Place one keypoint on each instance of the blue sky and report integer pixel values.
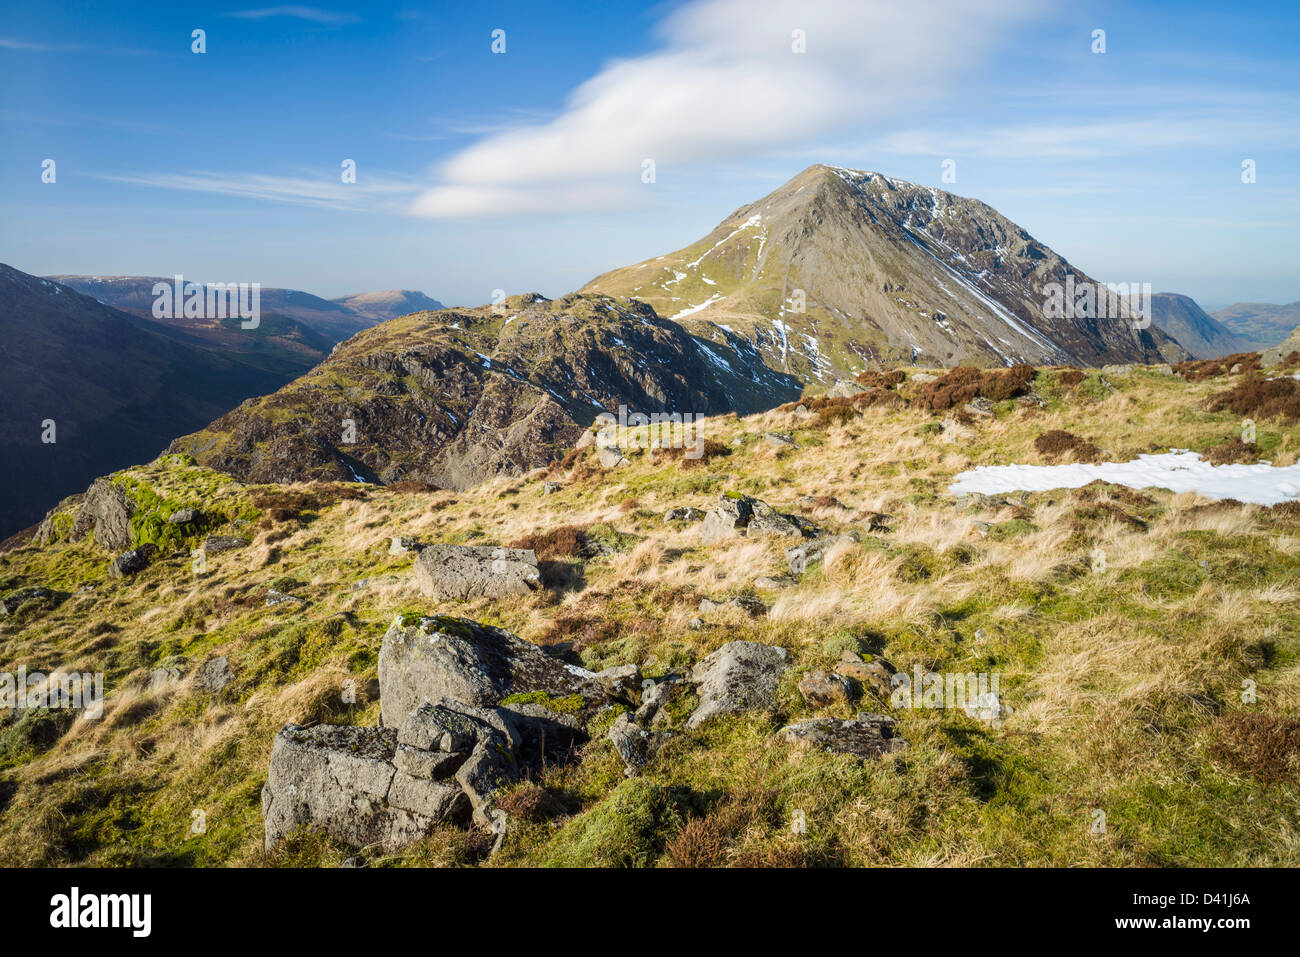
(522, 171)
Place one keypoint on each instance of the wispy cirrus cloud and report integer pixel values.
(727, 82)
(311, 189)
(311, 14)
(9, 43)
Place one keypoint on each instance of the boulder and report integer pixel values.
(876, 674)
(1274, 355)
(132, 562)
(621, 681)
(800, 557)
(215, 544)
(746, 603)
(729, 517)
(404, 545)
(635, 745)
(543, 733)
(822, 689)
(843, 389)
(213, 675)
(341, 780)
(105, 510)
(432, 765)
(424, 659)
(780, 440)
(550, 488)
(183, 516)
(739, 676)
(867, 735)
(767, 521)
(275, 598)
(487, 770)
(775, 582)
(684, 514)
(611, 457)
(471, 571)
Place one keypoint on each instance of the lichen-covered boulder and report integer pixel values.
(739, 676)
(424, 659)
(471, 571)
(341, 779)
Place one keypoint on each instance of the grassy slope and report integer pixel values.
(1126, 683)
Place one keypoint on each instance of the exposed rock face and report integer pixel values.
(472, 571)
(223, 543)
(739, 676)
(800, 557)
(868, 735)
(635, 745)
(425, 659)
(106, 510)
(728, 518)
(875, 674)
(455, 397)
(342, 780)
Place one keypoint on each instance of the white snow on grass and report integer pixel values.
(1178, 471)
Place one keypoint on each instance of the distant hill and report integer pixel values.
(117, 387)
(1263, 323)
(841, 270)
(389, 304)
(1180, 317)
(332, 321)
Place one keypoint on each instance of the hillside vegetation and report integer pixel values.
(1124, 675)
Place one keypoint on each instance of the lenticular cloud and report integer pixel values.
(1181, 471)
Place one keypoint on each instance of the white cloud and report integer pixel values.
(367, 192)
(725, 84)
(313, 14)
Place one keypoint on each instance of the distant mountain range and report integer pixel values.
(87, 353)
(389, 304)
(1198, 333)
(1263, 324)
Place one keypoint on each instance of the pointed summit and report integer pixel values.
(838, 270)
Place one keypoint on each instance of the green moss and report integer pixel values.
(570, 704)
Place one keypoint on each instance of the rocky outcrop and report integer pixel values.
(214, 674)
(424, 659)
(448, 742)
(822, 689)
(471, 571)
(1275, 354)
(105, 511)
(737, 514)
(739, 676)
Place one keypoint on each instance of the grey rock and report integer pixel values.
(431, 765)
(801, 413)
(922, 377)
(684, 514)
(337, 779)
(746, 603)
(471, 571)
(543, 733)
(427, 798)
(876, 674)
(822, 689)
(739, 676)
(404, 545)
(867, 735)
(483, 775)
(16, 598)
(275, 598)
(1274, 355)
(780, 440)
(223, 543)
(550, 488)
(164, 675)
(799, 557)
(621, 681)
(767, 521)
(611, 457)
(635, 745)
(776, 582)
(105, 510)
(132, 562)
(213, 675)
(183, 516)
(843, 389)
(427, 659)
(728, 518)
